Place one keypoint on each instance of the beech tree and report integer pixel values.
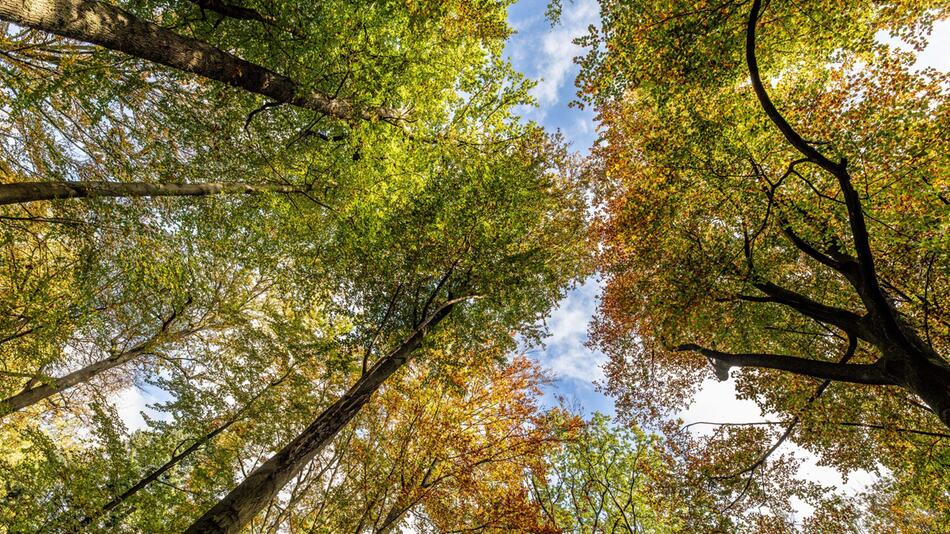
(444, 448)
(770, 182)
(508, 218)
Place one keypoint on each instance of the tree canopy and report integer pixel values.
(772, 178)
(319, 234)
(383, 204)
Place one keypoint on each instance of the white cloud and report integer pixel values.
(717, 402)
(130, 403)
(583, 365)
(133, 400)
(565, 354)
(547, 53)
(568, 323)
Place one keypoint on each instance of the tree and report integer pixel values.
(448, 445)
(600, 482)
(506, 197)
(787, 226)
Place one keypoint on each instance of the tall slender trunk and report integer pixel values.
(23, 192)
(111, 27)
(153, 476)
(394, 515)
(236, 509)
(173, 461)
(31, 396)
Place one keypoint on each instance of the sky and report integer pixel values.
(545, 53)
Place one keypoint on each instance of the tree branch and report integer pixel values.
(790, 134)
(838, 372)
(847, 321)
(900, 430)
(870, 289)
(849, 353)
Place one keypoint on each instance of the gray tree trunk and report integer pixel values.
(111, 27)
(236, 509)
(23, 192)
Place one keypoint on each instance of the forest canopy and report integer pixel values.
(322, 236)
(773, 193)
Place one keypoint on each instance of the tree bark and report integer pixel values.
(236, 509)
(23, 192)
(151, 477)
(233, 11)
(111, 27)
(924, 374)
(32, 395)
(35, 394)
(395, 514)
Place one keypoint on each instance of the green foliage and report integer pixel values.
(257, 311)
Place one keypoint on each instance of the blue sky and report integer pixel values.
(546, 53)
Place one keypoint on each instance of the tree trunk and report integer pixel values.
(23, 192)
(108, 26)
(395, 514)
(236, 509)
(926, 376)
(31, 396)
(151, 477)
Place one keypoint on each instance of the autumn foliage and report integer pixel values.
(728, 229)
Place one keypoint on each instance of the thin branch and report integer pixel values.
(839, 423)
(849, 353)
